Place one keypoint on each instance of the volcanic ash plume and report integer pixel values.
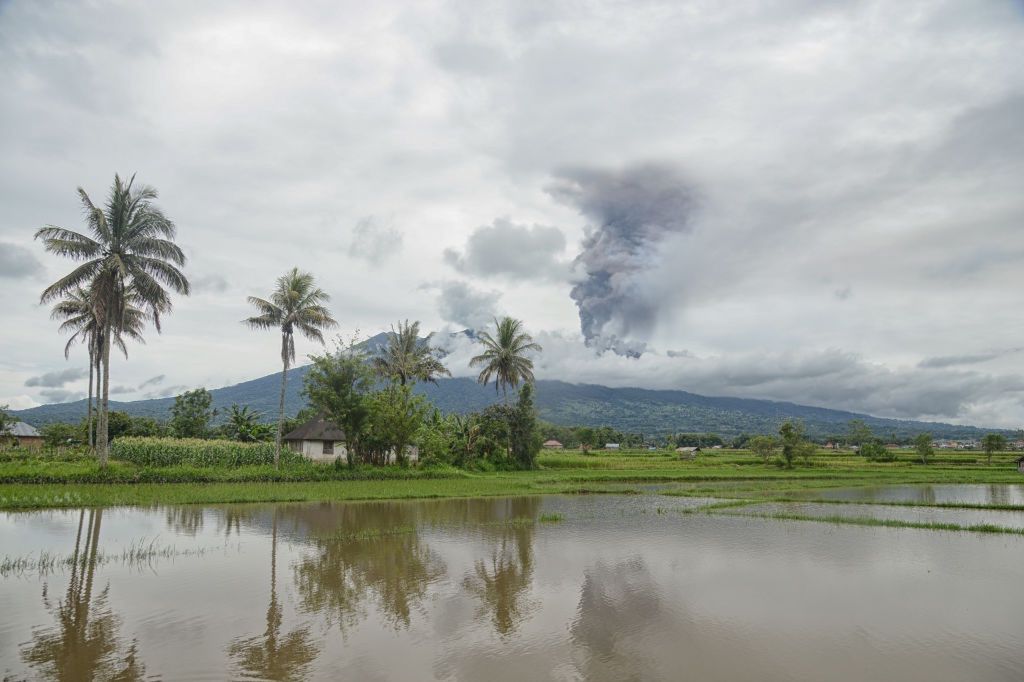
(632, 212)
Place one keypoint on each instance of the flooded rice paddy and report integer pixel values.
(598, 587)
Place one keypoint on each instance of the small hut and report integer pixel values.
(1020, 465)
(317, 439)
(688, 452)
(25, 435)
(553, 445)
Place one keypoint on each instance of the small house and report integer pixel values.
(611, 446)
(1020, 465)
(552, 445)
(688, 452)
(318, 439)
(25, 435)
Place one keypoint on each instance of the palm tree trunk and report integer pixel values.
(280, 412)
(92, 369)
(102, 442)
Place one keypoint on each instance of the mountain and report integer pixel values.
(627, 409)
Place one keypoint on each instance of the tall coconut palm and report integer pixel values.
(296, 303)
(504, 356)
(407, 359)
(79, 316)
(130, 248)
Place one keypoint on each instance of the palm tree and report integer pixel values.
(406, 358)
(504, 356)
(79, 314)
(129, 259)
(296, 303)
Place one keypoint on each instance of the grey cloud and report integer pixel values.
(843, 293)
(943, 361)
(121, 390)
(505, 248)
(469, 58)
(60, 395)
(461, 304)
(58, 378)
(631, 212)
(17, 262)
(165, 392)
(374, 240)
(211, 283)
(152, 381)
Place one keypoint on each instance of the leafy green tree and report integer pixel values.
(763, 446)
(6, 422)
(60, 434)
(191, 414)
(130, 259)
(505, 355)
(923, 447)
(396, 414)
(407, 359)
(295, 304)
(991, 443)
(874, 451)
(858, 432)
(586, 437)
(244, 425)
(794, 444)
(524, 438)
(338, 385)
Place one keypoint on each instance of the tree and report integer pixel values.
(408, 359)
(923, 447)
(6, 422)
(525, 441)
(504, 357)
(338, 385)
(80, 316)
(763, 446)
(875, 451)
(858, 432)
(794, 444)
(244, 425)
(396, 414)
(993, 442)
(191, 414)
(130, 258)
(296, 303)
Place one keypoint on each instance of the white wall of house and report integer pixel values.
(314, 450)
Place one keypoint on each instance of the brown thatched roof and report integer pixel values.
(317, 428)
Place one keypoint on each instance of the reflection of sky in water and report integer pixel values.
(924, 494)
(623, 587)
(961, 517)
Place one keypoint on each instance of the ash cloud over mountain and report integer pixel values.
(633, 211)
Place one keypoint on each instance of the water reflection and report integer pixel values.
(84, 644)
(269, 656)
(501, 580)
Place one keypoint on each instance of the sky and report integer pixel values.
(793, 200)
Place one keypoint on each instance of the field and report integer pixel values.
(50, 480)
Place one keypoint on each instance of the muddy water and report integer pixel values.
(618, 588)
(1010, 494)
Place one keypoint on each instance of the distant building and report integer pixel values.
(553, 444)
(322, 440)
(688, 452)
(611, 446)
(1020, 465)
(25, 435)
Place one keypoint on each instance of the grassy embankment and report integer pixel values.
(51, 481)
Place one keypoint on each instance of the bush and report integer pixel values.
(873, 451)
(162, 452)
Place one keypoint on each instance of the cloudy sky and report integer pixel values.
(790, 199)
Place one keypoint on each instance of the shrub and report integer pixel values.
(162, 452)
(873, 451)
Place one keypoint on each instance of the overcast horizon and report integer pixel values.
(812, 202)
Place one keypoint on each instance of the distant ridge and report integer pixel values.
(629, 409)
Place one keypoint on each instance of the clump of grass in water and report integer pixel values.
(136, 554)
(551, 518)
(887, 523)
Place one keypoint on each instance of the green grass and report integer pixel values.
(39, 482)
(551, 518)
(887, 523)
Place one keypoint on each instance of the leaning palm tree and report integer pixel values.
(296, 303)
(407, 358)
(504, 356)
(130, 248)
(79, 316)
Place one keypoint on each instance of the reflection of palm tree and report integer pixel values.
(271, 656)
(84, 644)
(375, 552)
(502, 581)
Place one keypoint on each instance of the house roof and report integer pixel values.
(552, 442)
(690, 448)
(23, 430)
(317, 428)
